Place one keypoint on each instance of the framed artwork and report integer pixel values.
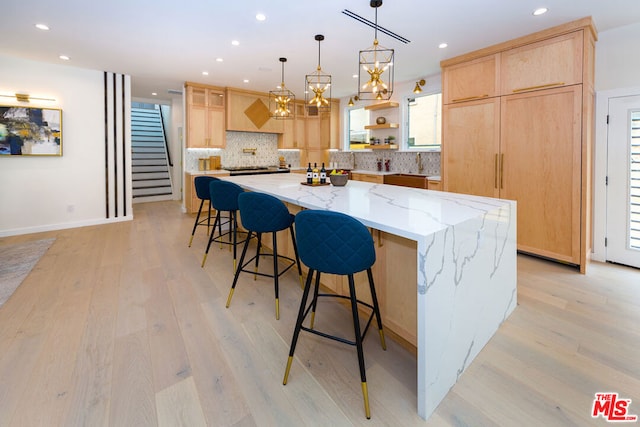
(30, 131)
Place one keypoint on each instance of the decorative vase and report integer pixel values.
(381, 120)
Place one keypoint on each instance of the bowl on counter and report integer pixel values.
(339, 180)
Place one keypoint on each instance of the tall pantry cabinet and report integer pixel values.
(518, 124)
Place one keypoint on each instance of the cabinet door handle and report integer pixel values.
(470, 98)
(502, 171)
(495, 175)
(522, 89)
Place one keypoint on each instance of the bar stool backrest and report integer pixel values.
(202, 186)
(263, 213)
(332, 242)
(224, 195)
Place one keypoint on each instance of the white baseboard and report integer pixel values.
(63, 226)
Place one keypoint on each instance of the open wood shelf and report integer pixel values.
(382, 105)
(382, 146)
(383, 126)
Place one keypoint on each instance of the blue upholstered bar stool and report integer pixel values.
(335, 243)
(262, 213)
(224, 198)
(202, 192)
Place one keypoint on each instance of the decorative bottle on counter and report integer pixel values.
(309, 174)
(316, 174)
(323, 175)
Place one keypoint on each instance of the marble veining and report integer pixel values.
(466, 264)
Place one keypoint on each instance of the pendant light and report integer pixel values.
(282, 100)
(318, 86)
(375, 65)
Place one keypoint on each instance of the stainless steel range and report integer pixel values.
(254, 170)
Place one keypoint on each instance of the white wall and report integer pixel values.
(617, 74)
(45, 193)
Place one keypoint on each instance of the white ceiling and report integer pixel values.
(162, 43)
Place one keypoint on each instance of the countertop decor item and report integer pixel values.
(381, 120)
(339, 180)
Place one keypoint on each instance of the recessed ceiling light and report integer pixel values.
(442, 45)
(540, 11)
(219, 59)
(260, 17)
(235, 42)
(246, 80)
(154, 94)
(205, 73)
(43, 27)
(64, 57)
(355, 76)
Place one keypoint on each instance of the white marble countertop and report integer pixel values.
(408, 212)
(465, 257)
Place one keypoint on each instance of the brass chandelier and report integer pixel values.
(375, 65)
(318, 86)
(282, 100)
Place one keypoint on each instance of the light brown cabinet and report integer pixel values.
(541, 168)
(367, 177)
(434, 184)
(531, 140)
(205, 116)
(471, 80)
(472, 154)
(248, 111)
(549, 63)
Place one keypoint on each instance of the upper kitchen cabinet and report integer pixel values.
(248, 111)
(546, 64)
(530, 142)
(471, 80)
(205, 116)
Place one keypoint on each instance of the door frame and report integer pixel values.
(599, 251)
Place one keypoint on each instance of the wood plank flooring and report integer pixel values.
(118, 325)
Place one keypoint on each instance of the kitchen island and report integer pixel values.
(465, 264)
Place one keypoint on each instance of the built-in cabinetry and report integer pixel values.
(368, 177)
(205, 108)
(312, 132)
(248, 111)
(518, 124)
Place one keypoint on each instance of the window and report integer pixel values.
(358, 135)
(424, 121)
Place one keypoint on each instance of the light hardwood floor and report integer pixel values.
(118, 325)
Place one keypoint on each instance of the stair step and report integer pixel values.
(151, 191)
(155, 183)
(150, 175)
(136, 169)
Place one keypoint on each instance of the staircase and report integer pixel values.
(150, 165)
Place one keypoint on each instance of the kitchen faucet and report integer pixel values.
(419, 162)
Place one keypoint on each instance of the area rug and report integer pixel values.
(16, 261)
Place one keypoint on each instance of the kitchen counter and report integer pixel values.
(465, 283)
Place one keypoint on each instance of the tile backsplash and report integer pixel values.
(265, 145)
(401, 162)
(241, 145)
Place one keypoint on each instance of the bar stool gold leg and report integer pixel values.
(313, 318)
(229, 297)
(191, 240)
(365, 394)
(384, 344)
(277, 308)
(286, 372)
(204, 259)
